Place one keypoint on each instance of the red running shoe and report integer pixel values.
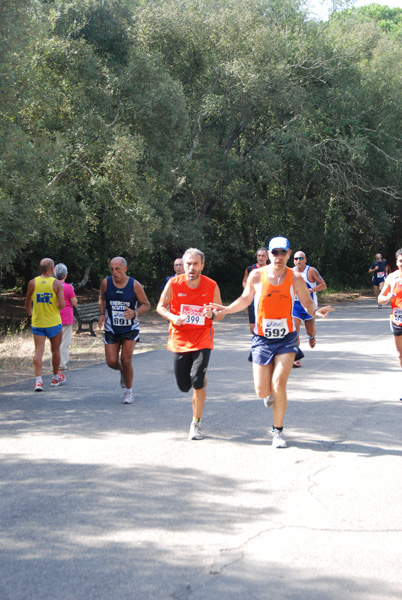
(59, 379)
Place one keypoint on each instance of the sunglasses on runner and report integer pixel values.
(279, 252)
(299, 257)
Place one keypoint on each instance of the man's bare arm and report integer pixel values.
(306, 300)
(142, 299)
(321, 285)
(28, 297)
(102, 304)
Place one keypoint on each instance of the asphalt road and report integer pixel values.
(101, 500)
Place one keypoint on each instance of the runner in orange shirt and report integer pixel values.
(274, 345)
(184, 304)
(392, 292)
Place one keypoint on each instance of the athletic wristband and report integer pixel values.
(213, 316)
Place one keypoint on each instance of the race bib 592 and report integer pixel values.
(275, 329)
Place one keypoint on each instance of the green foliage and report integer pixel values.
(142, 128)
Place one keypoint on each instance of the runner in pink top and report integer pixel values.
(67, 315)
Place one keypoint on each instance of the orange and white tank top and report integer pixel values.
(396, 302)
(196, 333)
(274, 306)
(45, 308)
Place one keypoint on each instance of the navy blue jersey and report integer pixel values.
(117, 300)
(379, 275)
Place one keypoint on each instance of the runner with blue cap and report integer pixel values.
(274, 344)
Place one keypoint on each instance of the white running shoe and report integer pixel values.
(128, 398)
(268, 401)
(195, 431)
(278, 441)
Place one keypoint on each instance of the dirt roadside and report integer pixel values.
(16, 349)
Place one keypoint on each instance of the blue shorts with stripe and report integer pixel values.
(263, 350)
(300, 313)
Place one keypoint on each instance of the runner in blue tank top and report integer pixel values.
(118, 304)
(315, 283)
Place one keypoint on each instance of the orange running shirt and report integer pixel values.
(197, 332)
(274, 306)
(396, 302)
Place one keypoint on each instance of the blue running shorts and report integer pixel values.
(117, 338)
(263, 350)
(49, 332)
(300, 313)
(396, 329)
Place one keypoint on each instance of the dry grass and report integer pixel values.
(16, 350)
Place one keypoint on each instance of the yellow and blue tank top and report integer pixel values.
(45, 309)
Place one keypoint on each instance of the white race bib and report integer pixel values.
(192, 314)
(118, 320)
(397, 314)
(275, 329)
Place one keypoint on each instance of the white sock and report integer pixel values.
(38, 379)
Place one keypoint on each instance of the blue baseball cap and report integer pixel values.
(279, 242)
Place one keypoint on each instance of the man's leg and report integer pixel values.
(182, 364)
(198, 399)
(310, 330)
(282, 367)
(112, 356)
(297, 325)
(39, 341)
(376, 290)
(198, 371)
(262, 375)
(271, 380)
(297, 321)
(55, 349)
(127, 351)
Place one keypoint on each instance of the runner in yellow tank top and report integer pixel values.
(274, 344)
(45, 309)
(44, 301)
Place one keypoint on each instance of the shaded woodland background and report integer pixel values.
(140, 128)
